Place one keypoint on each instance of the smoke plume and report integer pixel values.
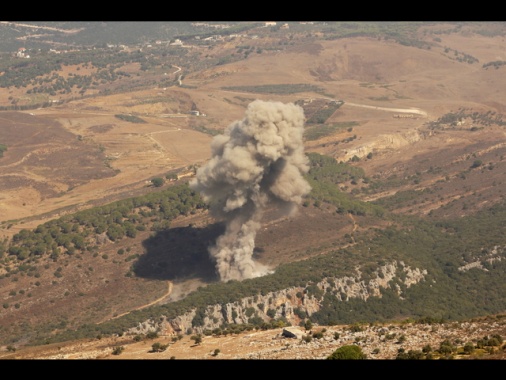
(257, 162)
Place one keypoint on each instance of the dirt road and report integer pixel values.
(159, 299)
(400, 110)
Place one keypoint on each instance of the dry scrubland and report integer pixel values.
(41, 177)
(377, 342)
(77, 155)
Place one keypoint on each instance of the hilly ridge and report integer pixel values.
(443, 167)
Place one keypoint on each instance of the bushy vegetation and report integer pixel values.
(315, 132)
(209, 131)
(494, 64)
(324, 176)
(276, 88)
(439, 247)
(446, 293)
(348, 352)
(123, 219)
(321, 116)
(118, 220)
(460, 56)
(98, 65)
(130, 118)
(454, 120)
(41, 70)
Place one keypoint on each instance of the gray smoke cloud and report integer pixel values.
(256, 163)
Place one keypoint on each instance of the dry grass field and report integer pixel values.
(79, 154)
(115, 156)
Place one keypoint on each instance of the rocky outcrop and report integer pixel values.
(486, 258)
(290, 303)
(292, 332)
(385, 143)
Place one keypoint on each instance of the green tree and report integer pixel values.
(157, 181)
(347, 353)
(476, 163)
(446, 347)
(3, 148)
(197, 339)
(115, 232)
(469, 348)
(158, 347)
(411, 355)
(118, 350)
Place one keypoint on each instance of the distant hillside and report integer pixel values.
(45, 34)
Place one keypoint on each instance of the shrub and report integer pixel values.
(118, 350)
(347, 352)
(476, 163)
(158, 347)
(157, 181)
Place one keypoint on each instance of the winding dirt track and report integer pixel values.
(159, 299)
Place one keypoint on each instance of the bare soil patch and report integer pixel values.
(74, 154)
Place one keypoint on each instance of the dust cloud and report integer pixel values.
(258, 162)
